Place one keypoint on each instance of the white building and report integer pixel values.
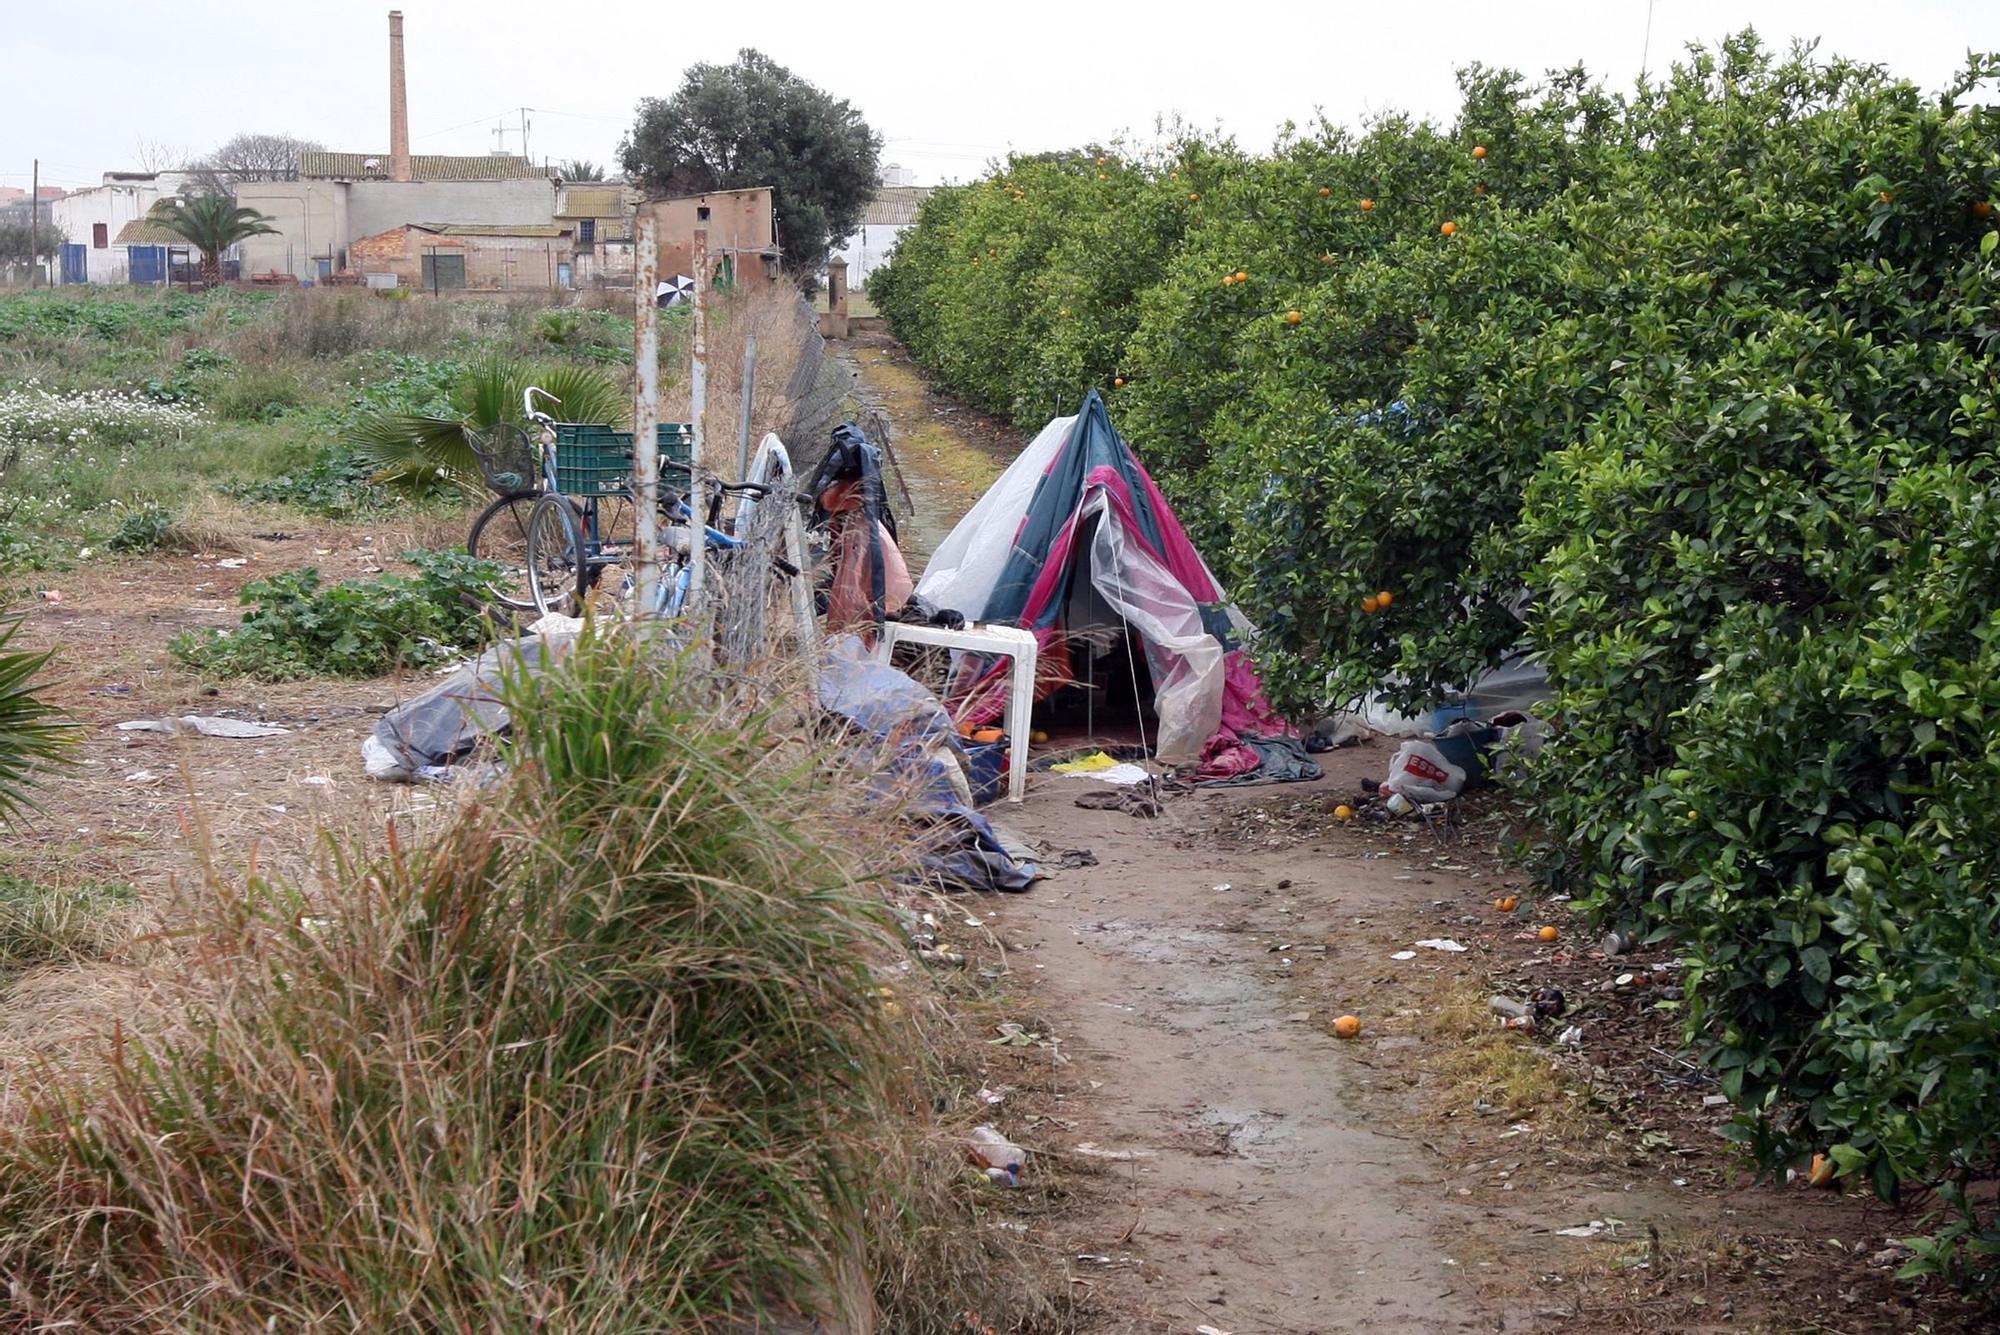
(893, 208)
(92, 220)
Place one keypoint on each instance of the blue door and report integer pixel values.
(75, 264)
(149, 263)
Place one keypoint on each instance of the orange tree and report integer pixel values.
(1694, 390)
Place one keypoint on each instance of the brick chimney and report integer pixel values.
(399, 108)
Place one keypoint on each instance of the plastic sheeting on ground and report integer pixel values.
(424, 737)
(917, 762)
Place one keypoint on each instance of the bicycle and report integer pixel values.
(576, 528)
(518, 469)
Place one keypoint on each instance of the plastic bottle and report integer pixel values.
(999, 1156)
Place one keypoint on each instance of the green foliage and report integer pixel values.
(1698, 396)
(211, 223)
(34, 735)
(336, 484)
(362, 628)
(141, 531)
(17, 238)
(755, 123)
(429, 448)
(597, 336)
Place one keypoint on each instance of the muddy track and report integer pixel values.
(1253, 1186)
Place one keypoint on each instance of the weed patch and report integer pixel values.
(361, 628)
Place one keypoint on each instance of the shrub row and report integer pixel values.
(1693, 389)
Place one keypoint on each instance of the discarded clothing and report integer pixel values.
(1278, 760)
(1131, 801)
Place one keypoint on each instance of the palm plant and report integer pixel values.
(580, 169)
(211, 224)
(412, 448)
(33, 735)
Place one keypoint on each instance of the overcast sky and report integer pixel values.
(948, 85)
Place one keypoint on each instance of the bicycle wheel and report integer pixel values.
(555, 554)
(501, 534)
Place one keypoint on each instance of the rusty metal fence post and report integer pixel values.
(646, 414)
(698, 409)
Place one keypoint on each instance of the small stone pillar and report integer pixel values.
(833, 320)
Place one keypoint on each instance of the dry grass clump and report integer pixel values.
(1477, 1060)
(47, 923)
(606, 1055)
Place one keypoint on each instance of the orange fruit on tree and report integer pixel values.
(1478, 189)
(1293, 317)
(1326, 258)
(1119, 381)
(1193, 197)
(1479, 150)
(1548, 934)
(1100, 162)
(1347, 1026)
(1370, 604)
(1242, 276)
(1982, 208)
(1449, 229)
(1888, 196)
(1325, 191)
(1821, 1173)
(1367, 206)
(1384, 598)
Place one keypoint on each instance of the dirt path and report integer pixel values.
(1253, 1188)
(1214, 1158)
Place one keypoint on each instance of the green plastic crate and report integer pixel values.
(595, 460)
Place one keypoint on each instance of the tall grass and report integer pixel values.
(604, 1056)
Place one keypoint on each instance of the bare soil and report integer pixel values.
(1212, 1157)
(1204, 1152)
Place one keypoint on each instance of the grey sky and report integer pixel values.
(949, 85)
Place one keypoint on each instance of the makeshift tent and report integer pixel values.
(1074, 539)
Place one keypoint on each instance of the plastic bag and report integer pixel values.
(1423, 773)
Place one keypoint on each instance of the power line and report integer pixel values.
(1646, 48)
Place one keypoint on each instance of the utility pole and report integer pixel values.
(34, 218)
(524, 135)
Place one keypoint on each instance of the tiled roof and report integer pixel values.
(423, 167)
(492, 229)
(592, 201)
(895, 205)
(146, 232)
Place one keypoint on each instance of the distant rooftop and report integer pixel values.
(146, 232)
(895, 205)
(491, 229)
(423, 167)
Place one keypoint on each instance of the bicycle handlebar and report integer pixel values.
(528, 403)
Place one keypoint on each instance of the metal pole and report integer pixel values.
(698, 406)
(646, 414)
(749, 400)
(34, 217)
